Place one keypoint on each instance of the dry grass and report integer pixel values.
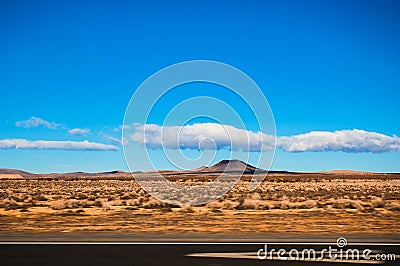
(293, 203)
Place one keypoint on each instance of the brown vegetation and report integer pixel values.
(284, 203)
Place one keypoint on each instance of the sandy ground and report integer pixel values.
(282, 206)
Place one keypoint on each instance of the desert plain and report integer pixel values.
(113, 205)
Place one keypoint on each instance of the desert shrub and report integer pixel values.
(40, 197)
(106, 204)
(301, 199)
(187, 210)
(153, 203)
(134, 202)
(283, 205)
(58, 205)
(18, 198)
(116, 202)
(354, 204)
(393, 206)
(256, 196)
(69, 204)
(275, 196)
(377, 202)
(337, 203)
(10, 205)
(357, 204)
(130, 208)
(97, 203)
(81, 196)
(307, 204)
(166, 208)
(73, 203)
(24, 209)
(126, 196)
(215, 210)
(92, 197)
(347, 203)
(215, 205)
(3, 195)
(250, 204)
(229, 205)
(86, 204)
(57, 197)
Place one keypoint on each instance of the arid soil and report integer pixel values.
(290, 204)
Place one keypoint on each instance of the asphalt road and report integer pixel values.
(157, 254)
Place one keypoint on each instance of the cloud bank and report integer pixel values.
(55, 145)
(216, 136)
(342, 140)
(201, 136)
(78, 131)
(35, 122)
(113, 140)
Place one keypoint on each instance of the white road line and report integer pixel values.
(186, 243)
(253, 255)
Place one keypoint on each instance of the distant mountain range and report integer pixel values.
(224, 166)
(15, 174)
(230, 166)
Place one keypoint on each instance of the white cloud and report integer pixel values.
(113, 140)
(215, 136)
(121, 127)
(344, 140)
(55, 145)
(78, 131)
(201, 136)
(35, 122)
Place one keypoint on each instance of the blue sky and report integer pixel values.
(322, 65)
